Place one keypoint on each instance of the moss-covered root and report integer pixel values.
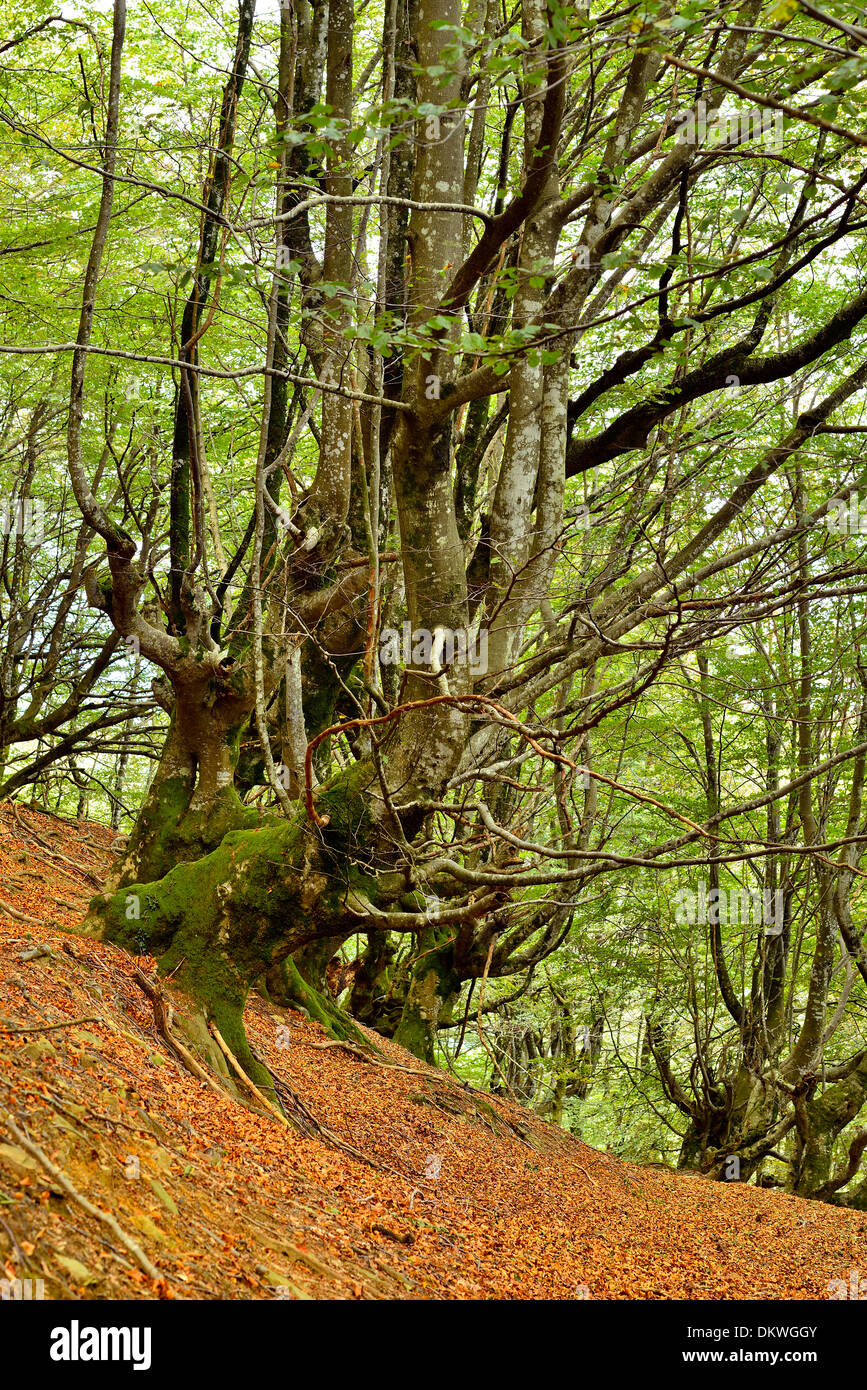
(230, 1021)
(221, 923)
(194, 1027)
(218, 925)
(287, 986)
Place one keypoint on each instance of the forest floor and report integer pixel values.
(405, 1183)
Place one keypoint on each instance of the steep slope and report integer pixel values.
(392, 1181)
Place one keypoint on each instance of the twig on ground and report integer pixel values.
(48, 1027)
(132, 1247)
(18, 916)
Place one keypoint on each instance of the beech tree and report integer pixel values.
(479, 371)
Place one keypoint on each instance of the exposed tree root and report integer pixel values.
(244, 1078)
(287, 986)
(163, 1021)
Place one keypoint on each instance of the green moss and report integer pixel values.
(220, 923)
(433, 988)
(415, 1034)
(292, 988)
(168, 832)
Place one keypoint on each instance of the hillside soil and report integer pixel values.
(387, 1179)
